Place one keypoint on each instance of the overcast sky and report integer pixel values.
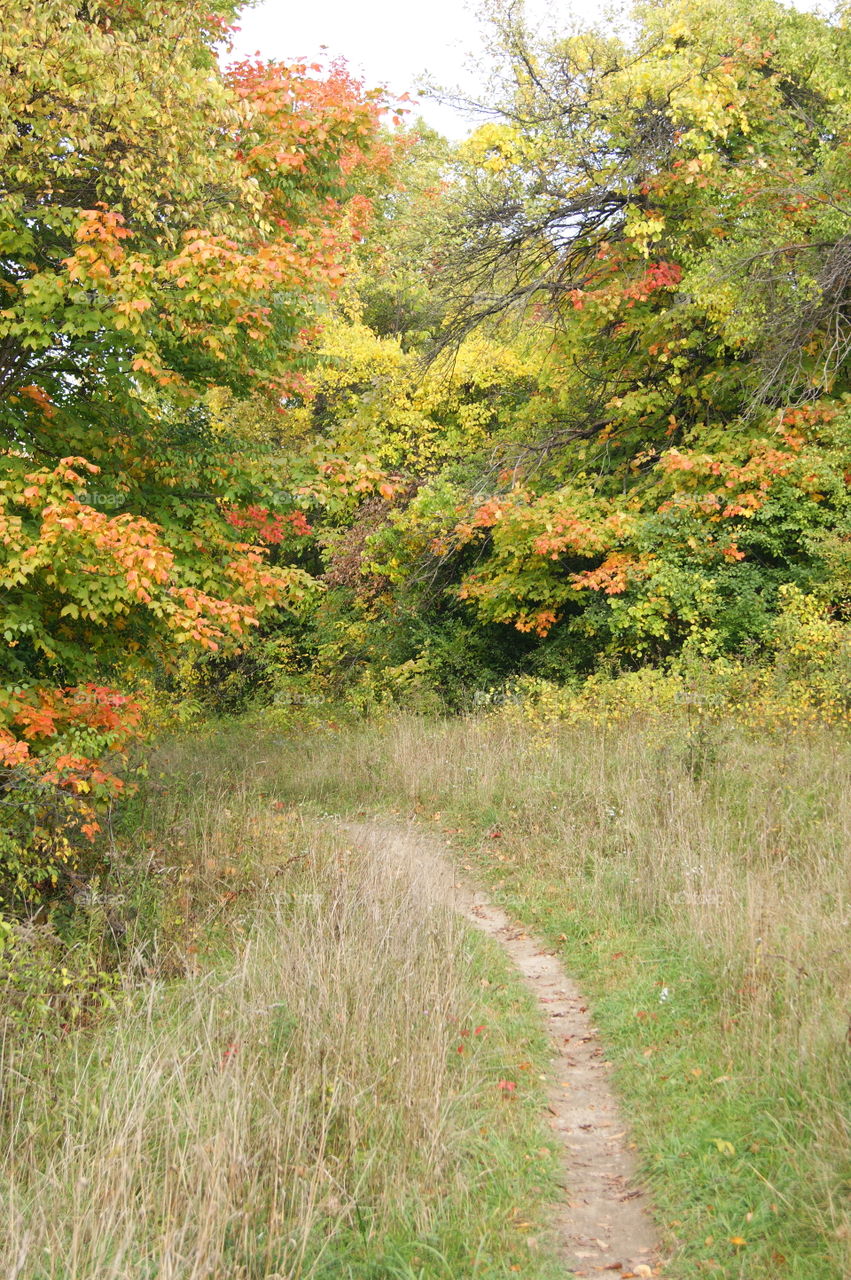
(389, 41)
(396, 42)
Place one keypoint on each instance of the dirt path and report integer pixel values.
(602, 1226)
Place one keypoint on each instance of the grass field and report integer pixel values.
(278, 1089)
(292, 1083)
(698, 885)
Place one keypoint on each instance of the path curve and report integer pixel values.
(603, 1225)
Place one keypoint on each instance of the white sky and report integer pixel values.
(392, 42)
(397, 42)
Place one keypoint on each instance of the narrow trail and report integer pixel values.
(603, 1225)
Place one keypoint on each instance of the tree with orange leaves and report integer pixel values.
(165, 228)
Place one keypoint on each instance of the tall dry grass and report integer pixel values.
(719, 863)
(297, 1109)
(281, 1094)
(740, 844)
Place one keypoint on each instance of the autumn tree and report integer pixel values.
(640, 252)
(165, 228)
(666, 213)
(712, 136)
